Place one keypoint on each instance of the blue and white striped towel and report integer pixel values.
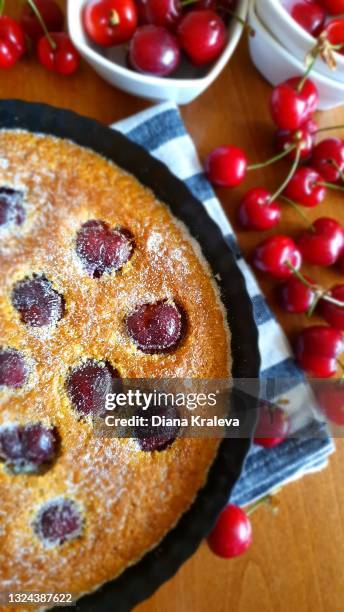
(161, 131)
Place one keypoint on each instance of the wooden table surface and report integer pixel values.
(297, 559)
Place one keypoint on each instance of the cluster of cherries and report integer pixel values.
(292, 106)
(40, 28)
(315, 168)
(316, 16)
(159, 31)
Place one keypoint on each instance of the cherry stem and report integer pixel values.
(37, 13)
(290, 174)
(307, 73)
(319, 292)
(268, 500)
(299, 211)
(330, 186)
(114, 18)
(2, 6)
(328, 128)
(272, 160)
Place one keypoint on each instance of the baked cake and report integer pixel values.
(98, 282)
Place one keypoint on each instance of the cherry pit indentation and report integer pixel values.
(156, 328)
(57, 522)
(11, 206)
(13, 368)
(88, 385)
(37, 302)
(102, 249)
(28, 449)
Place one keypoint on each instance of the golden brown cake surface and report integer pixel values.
(127, 498)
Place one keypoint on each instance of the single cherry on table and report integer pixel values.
(273, 425)
(295, 296)
(318, 349)
(257, 211)
(333, 313)
(328, 159)
(293, 102)
(323, 243)
(232, 534)
(12, 42)
(277, 256)
(306, 187)
(57, 53)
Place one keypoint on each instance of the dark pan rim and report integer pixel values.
(142, 579)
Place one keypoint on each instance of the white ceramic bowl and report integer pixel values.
(293, 37)
(276, 64)
(188, 83)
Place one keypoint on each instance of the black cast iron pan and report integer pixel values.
(140, 581)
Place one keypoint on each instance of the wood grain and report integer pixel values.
(297, 559)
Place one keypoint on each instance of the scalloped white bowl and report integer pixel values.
(188, 83)
(276, 64)
(293, 37)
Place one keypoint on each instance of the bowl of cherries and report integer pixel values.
(308, 26)
(157, 49)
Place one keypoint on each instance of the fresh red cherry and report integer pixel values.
(102, 249)
(232, 534)
(154, 50)
(202, 35)
(226, 166)
(291, 108)
(310, 16)
(12, 42)
(330, 397)
(334, 7)
(11, 206)
(62, 58)
(110, 22)
(156, 328)
(51, 14)
(273, 425)
(13, 369)
(37, 302)
(28, 448)
(335, 34)
(306, 187)
(317, 350)
(57, 522)
(304, 136)
(294, 296)
(333, 314)
(272, 256)
(88, 385)
(323, 244)
(257, 212)
(163, 12)
(328, 159)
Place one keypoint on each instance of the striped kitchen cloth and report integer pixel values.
(161, 131)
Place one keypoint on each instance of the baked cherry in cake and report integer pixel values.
(158, 437)
(11, 207)
(102, 249)
(28, 448)
(13, 368)
(88, 385)
(58, 522)
(37, 302)
(156, 328)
